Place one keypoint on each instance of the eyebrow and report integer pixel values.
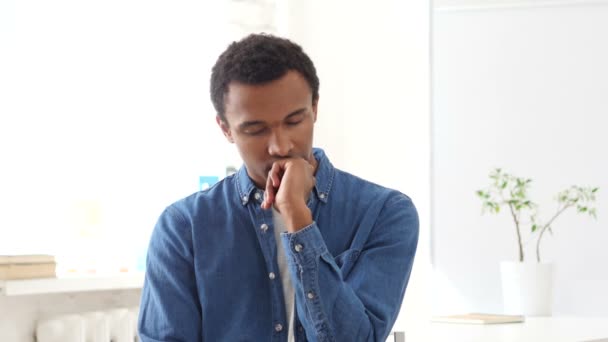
(248, 124)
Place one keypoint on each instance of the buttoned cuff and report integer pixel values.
(305, 245)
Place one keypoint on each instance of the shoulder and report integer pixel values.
(357, 186)
(390, 209)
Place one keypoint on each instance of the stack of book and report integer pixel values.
(27, 266)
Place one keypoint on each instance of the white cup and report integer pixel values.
(66, 328)
(121, 325)
(97, 326)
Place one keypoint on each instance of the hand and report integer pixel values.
(288, 186)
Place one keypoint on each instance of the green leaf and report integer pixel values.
(592, 213)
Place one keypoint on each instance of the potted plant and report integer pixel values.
(527, 287)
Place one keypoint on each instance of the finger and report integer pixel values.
(271, 180)
(275, 175)
(268, 194)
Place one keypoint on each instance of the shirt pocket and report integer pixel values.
(346, 261)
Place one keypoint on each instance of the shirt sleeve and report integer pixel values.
(169, 309)
(364, 305)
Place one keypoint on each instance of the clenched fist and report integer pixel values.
(288, 186)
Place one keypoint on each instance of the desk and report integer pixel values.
(535, 329)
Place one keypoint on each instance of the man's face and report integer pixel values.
(269, 122)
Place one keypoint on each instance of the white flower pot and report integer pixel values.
(527, 288)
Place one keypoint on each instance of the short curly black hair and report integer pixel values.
(258, 59)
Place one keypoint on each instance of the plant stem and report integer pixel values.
(545, 227)
(521, 249)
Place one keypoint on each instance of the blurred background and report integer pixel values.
(105, 119)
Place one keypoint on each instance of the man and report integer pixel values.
(289, 248)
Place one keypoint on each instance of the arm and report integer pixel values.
(169, 308)
(365, 305)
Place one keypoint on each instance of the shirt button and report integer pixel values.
(257, 196)
(310, 295)
(298, 248)
(271, 275)
(321, 196)
(245, 198)
(264, 227)
(278, 327)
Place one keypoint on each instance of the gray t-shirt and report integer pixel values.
(288, 292)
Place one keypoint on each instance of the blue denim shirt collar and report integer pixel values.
(324, 178)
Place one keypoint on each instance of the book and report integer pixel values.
(479, 318)
(26, 259)
(28, 271)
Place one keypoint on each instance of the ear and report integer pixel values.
(225, 129)
(314, 110)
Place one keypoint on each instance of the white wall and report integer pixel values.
(372, 58)
(523, 89)
(104, 101)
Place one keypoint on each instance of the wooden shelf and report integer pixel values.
(71, 284)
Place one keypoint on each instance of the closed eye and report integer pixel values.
(256, 131)
(294, 122)
(295, 118)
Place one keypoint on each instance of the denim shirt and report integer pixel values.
(212, 272)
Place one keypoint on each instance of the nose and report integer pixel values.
(279, 144)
